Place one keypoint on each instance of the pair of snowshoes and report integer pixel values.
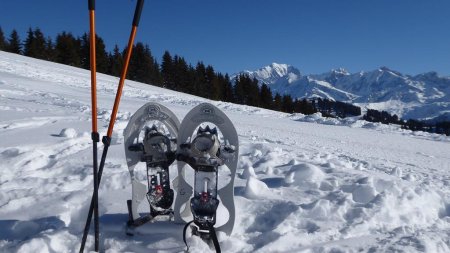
(155, 136)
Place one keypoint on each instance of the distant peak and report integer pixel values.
(279, 65)
(274, 72)
(428, 75)
(431, 73)
(277, 70)
(340, 71)
(386, 69)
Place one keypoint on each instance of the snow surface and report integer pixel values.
(304, 184)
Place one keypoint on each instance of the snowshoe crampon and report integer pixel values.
(151, 137)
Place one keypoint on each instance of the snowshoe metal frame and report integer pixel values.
(148, 112)
(206, 112)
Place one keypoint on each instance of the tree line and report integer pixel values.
(174, 72)
(202, 80)
(330, 108)
(384, 117)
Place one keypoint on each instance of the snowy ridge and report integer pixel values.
(305, 183)
(275, 71)
(425, 96)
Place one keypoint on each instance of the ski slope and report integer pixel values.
(305, 183)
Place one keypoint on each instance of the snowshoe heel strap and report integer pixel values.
(184, 234)
(213, 235)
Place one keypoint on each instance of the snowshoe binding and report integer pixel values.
(157, 149)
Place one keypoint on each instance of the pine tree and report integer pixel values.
(3, 44)
(67, 49)
(155, 74)
(220, 87)
(212, 87)
(167, 71)
(238, 91)
(253, 92)
(277, 102)
(142, 64)
(181, 80)
(303, 106)
(287, 104)
(115, 62)
(29, 44)
(137, 69)
(227, 89)
(49, 50)
(14, 45)
(190, 86)
(266, 98)
(200, 80)
(102, 60)
(85, 51)
(101, 55)
(39, 44)
(35, 44)
(308, 108)
(247, 90)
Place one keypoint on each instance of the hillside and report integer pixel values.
(305, 184)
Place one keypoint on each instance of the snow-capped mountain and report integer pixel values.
(424, 96)
(274, 72)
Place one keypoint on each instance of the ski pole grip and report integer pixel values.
(91, 5)
(137, 12)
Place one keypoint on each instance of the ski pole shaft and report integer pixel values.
(95, 200)
(94, 135)
(92, 55)
(137, 15)
(107, 139)
(91, 207)
(121, 82)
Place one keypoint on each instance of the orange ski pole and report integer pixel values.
(94, 135)
(107, 139)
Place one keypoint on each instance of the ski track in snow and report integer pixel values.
(304, 184)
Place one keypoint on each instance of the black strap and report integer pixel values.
(184, 234)
(212, 233)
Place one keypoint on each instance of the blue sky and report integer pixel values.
(411, 36)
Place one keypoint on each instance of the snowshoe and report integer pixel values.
(206, 153)
(157, 149)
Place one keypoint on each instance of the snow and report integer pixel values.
(68, 133)
(305, 183)
(306, 175)
(255, 189)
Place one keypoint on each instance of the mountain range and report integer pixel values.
(424, 96)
